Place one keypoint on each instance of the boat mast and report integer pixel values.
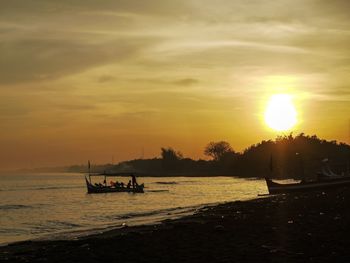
(301, 164)
(89, 171)
(271, 166)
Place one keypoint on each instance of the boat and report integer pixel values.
(103, 188)
(325, 179)
(112, 188)
(279, 188)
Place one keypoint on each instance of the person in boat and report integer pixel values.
(133, 180)
(122, 185)
(129, 184)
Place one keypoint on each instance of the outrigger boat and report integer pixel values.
(113, 188)
(104, 188)
(278, 188)
(325, 179)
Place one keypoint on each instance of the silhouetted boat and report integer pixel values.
(113, 188)
(278, 188)
(325, 179)
(96, 189)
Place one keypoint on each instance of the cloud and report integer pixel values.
(186, 82)
(105, 78)
(165, 67)
(166, 81)
(45, 59)
(45, 40)
(75, 107)
(122, 6)
(71, 37)
(339, 94)
(8, 110)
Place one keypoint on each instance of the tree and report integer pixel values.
(217, 150)
(170, 154)
(170, 158)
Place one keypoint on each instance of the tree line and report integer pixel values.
(288, 156)
(291, 157)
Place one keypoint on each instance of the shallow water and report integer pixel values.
(47, 205)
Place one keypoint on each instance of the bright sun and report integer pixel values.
(280, 113)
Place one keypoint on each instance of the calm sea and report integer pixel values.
(53, 206)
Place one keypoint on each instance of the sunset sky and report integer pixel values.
(90, 79)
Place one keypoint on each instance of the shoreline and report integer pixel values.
(300, 227)
(142, 219)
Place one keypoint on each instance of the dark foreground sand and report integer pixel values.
(303, 227)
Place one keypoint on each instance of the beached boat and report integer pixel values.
(325, 179)
(278, 188)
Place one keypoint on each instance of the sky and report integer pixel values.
(119, 79)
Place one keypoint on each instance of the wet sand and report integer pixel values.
(301, 227)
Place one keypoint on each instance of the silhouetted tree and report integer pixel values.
(170, 158)
(170, 154)
(217, 150)
(287, 163)
(252, 162)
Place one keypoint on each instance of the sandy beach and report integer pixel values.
(300, 227)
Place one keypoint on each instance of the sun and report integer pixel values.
(280, 113)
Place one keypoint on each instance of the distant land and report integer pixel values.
(289, 156)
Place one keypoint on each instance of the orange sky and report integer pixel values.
(97, 79)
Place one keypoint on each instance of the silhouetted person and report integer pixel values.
(129, 184)
(133, 180)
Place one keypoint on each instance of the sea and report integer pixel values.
(55, 206)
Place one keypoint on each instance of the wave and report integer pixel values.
(157, 191)
(13, 207)
(57, 187)
(166, 182)
(62, 223)
(53, 225)
(167, 211)
(15, 231)
(40, 188)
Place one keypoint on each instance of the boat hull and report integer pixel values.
(276, 188)
(91, 189)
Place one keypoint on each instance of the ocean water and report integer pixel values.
(56, 206)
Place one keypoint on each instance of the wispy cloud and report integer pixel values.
(47, 59)
(153, 66)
